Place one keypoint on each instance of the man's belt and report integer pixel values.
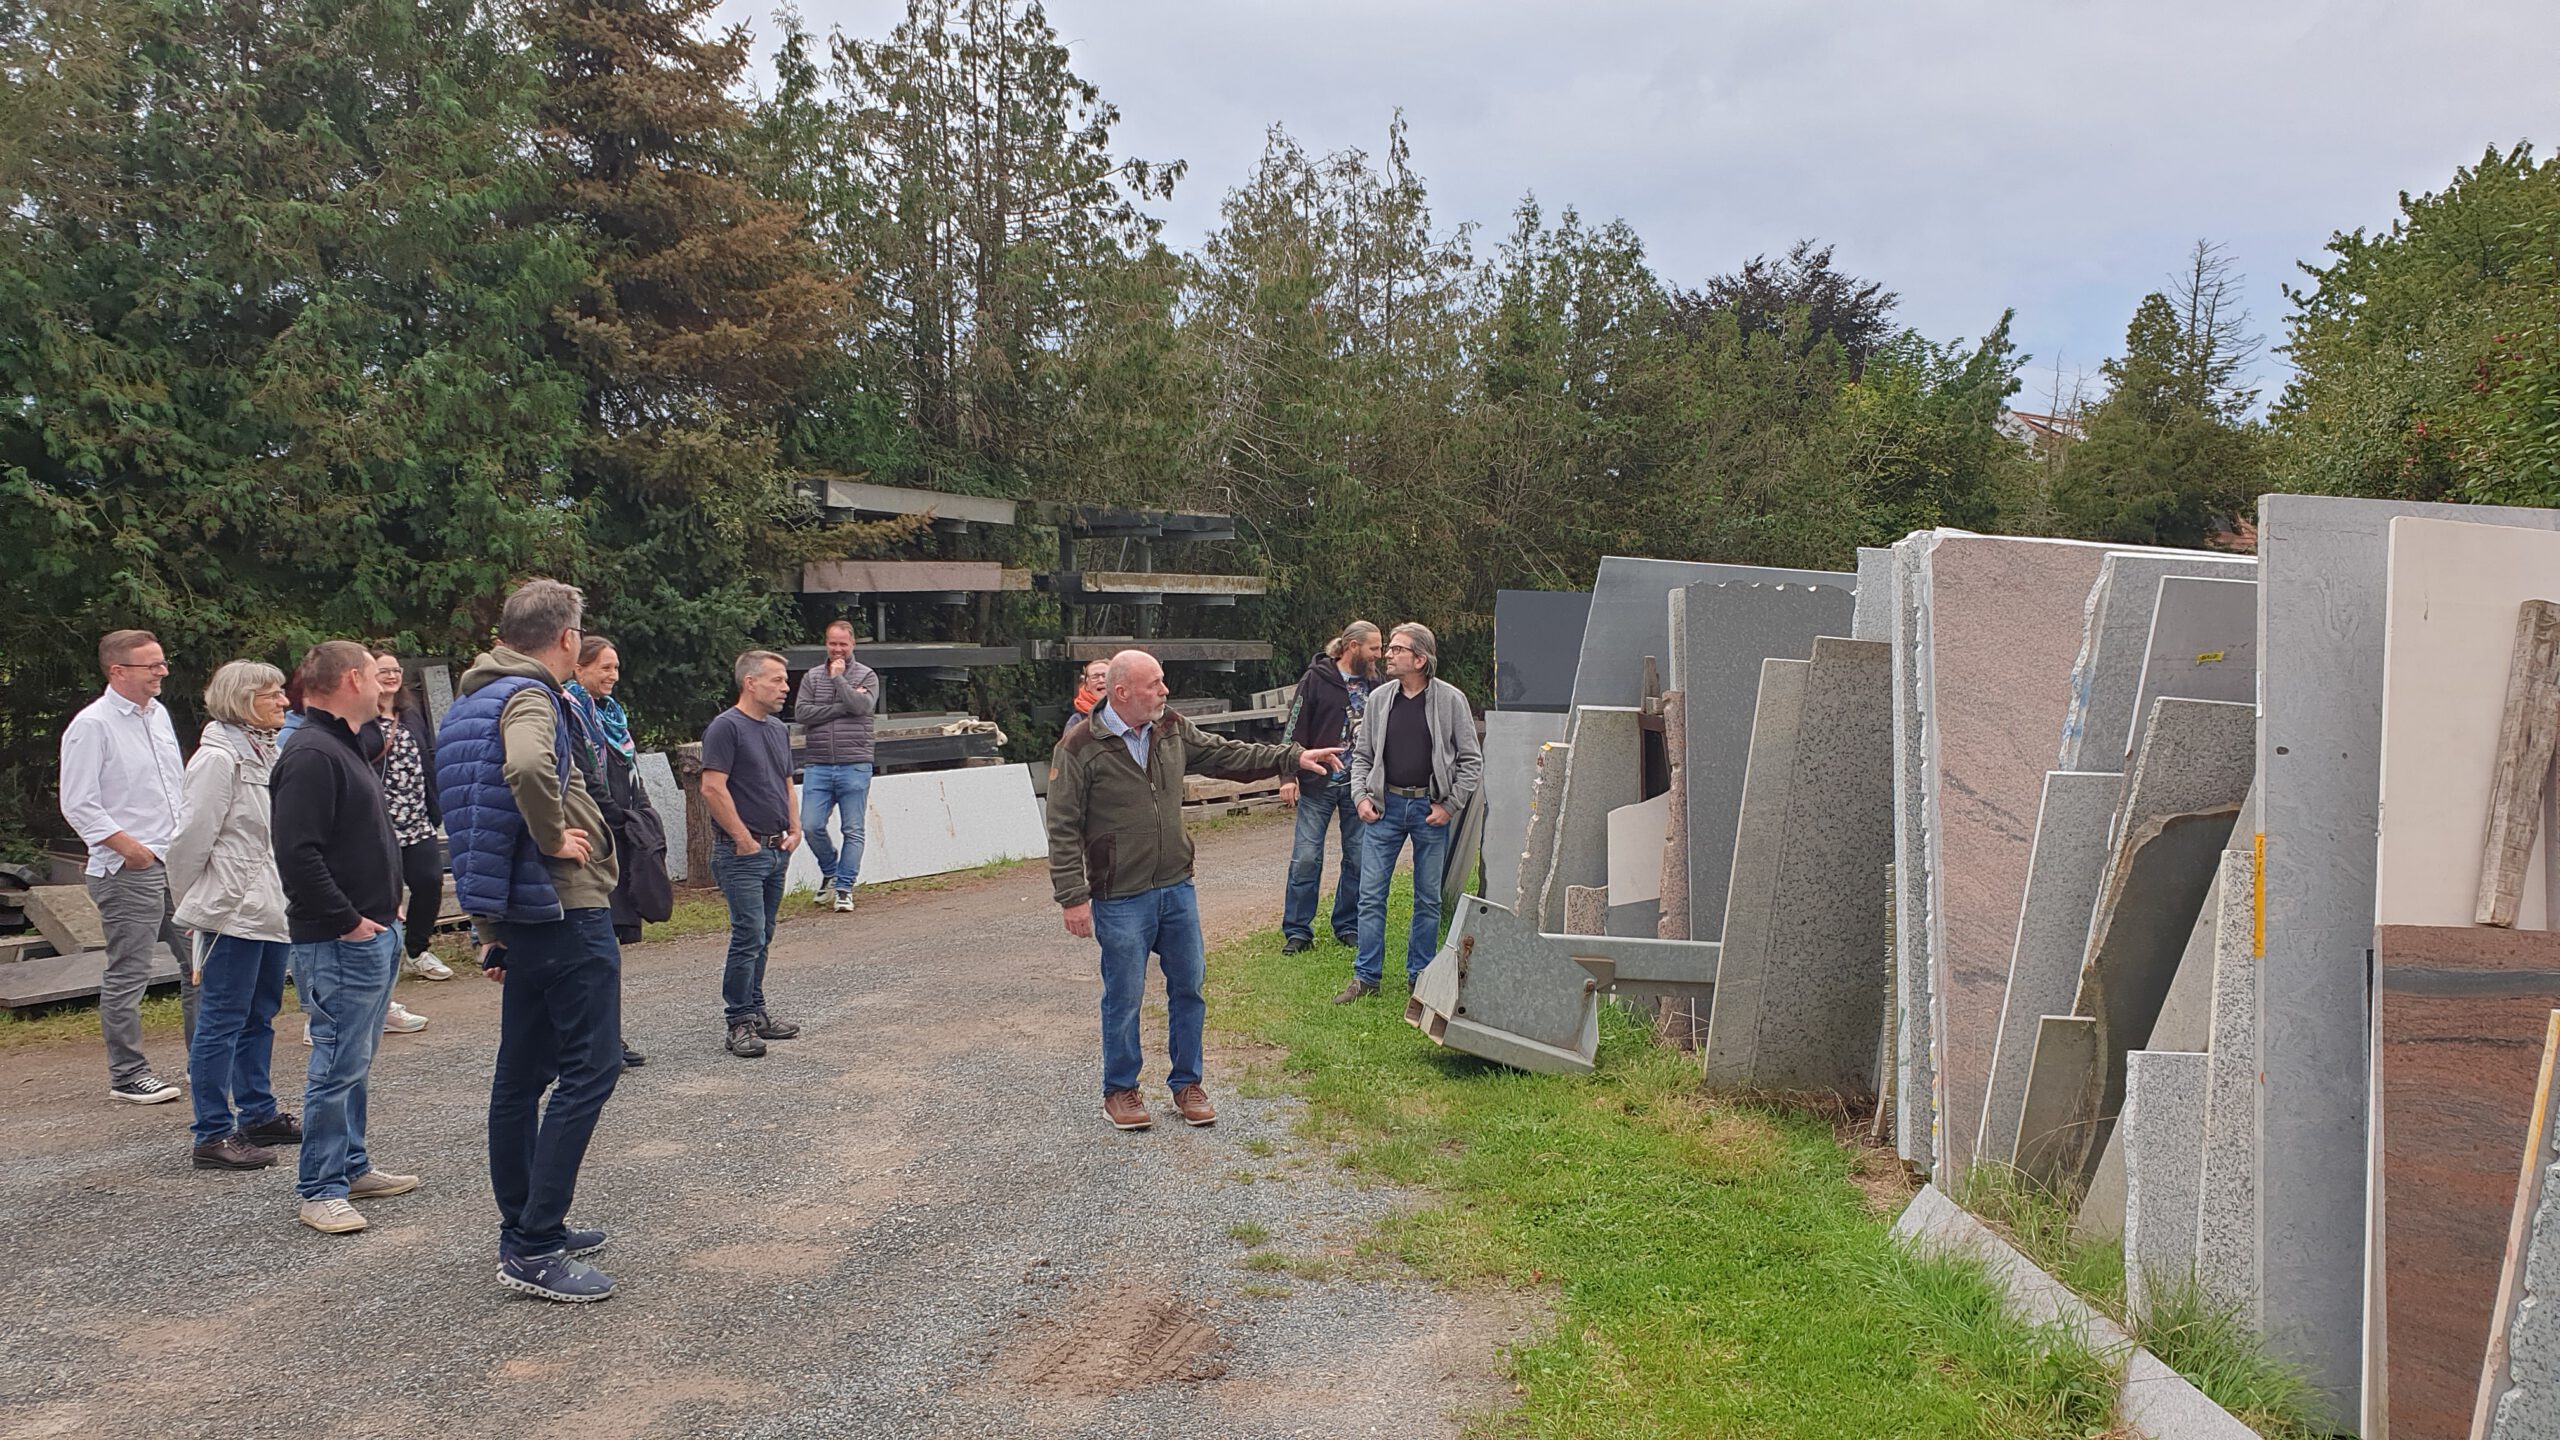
(1411, 792)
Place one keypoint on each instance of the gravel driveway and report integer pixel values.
(911, 1222)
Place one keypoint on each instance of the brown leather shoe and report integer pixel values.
(1194, 1104)
(1124, 1109)
(233, 1153)
(1354, 991)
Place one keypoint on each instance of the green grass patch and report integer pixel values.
(1245, 1232)
(1715, 1270)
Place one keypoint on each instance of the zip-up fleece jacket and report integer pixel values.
(1115, 830)
(834, 712)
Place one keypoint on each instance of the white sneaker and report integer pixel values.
(401, 1021)
(844, 902)
(428, 967)
(825, 897)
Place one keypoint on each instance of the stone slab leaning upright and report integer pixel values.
(1914, 1079)
(2121, 613)
(1631, 618)
(1600, 774)
(2519, 1395)
(2064, 871)
(1538, 853)
(2163, 1144)
(1511, 741)
(2321, 569)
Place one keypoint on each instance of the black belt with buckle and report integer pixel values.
(1411, 792)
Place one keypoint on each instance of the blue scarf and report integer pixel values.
(605, 717)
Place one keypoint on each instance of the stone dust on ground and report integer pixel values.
(910, 1222)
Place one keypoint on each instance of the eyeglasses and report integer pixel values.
(156, 667)
(1400, 650)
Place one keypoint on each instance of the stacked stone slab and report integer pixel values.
(2203, 646)
(1600, 774)
(1914, 1080)
(2163, 1146)
(1630, 620)
(2064, 872)
(1799, 982)
(1512, 739)
(2227, 1204)
(2121, 615)
(2321, 577)
(1538, 853)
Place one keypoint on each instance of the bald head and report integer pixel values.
(1136, 685)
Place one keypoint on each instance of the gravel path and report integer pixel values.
(911, 1222)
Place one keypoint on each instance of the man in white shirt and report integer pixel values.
(123, 789)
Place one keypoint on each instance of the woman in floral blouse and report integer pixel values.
(408, 766)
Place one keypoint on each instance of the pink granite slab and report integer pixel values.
(2004, 631)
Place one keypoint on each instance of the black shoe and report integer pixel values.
(554, 1277)
(742, 1040)
(233, 1153)
(282, 1130)
(633, 1059)
(772, 1029)
(1347, 940)
(1357, 989)
(1296, 945)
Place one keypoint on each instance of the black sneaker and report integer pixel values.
(148, 1090)
(555, 1277)
(742, 1040)
(282, 1130)
(1347, 939)
(1296, 945)
(772, 1029)
(633, 1059)
(576, 1243)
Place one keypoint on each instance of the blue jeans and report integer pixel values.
(1318, 805)
(1403, 817)
(235, 1041)
(1166, 922)
(346, 990)
(752, 884)
(560, 1019)
(835, 787)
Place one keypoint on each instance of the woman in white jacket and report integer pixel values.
(222, 871)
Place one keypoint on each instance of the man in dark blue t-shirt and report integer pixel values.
(746, 785)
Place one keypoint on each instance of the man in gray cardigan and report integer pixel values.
(834, 710)
(1414, 767)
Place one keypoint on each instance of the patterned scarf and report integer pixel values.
(605, 717)
(262, 743)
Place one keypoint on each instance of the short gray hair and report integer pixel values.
(1424, 643)
(536, 614)
(231, 695)
(753, 661)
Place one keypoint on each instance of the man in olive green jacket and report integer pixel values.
(1121, 866)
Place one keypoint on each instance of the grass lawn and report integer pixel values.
(1716, 1269)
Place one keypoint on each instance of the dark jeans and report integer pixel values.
(345, 987)
(752, 884)
(559, 1019)
(229, 1056)
(1166, 922)
(422, 871)
(1403, 817)
(134, 908)
(1318, 807)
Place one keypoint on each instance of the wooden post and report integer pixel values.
(2526, 735)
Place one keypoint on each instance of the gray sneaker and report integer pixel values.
(332, 1216)
(844, 902)
(825, 897)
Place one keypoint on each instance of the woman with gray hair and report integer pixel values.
(222, 873)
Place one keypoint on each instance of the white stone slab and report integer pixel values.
(2063, 875)
(1511, 741)
(2321, 573)
(932, 822)
(1636, 834)
(658, 780)
(2163, 1156)
(1630, 618)
(2203, 646)
(2227, 1203)
(2449, 628)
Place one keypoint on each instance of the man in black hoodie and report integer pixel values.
(1325, 715)
(340, 863)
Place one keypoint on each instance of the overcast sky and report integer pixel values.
(2058, 157)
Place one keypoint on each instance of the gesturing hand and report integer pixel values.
(1320, 762)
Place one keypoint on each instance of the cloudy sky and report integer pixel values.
(2058, 157)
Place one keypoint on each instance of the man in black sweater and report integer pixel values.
(341, 867)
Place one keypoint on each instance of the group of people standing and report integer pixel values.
(301, 840)
(1378, 746)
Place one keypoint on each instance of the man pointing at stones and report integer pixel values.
(1121, 867)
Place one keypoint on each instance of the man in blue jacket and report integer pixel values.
(534, 866)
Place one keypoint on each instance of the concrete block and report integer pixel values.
(1537, 642)
(2118, 616)
(2449, 626)
(1727, 630)
(2321, 576)
(2203, 646)
(1812, 1023)
(1674, 883)
(932, 822)
(1538, 853)
(1601, 774)
(2227, 1205)
(1511, 741)
(2003, 626)
(1630, 618)
(2163, 1163)
(1873, 617)
(2065, 869)
(658, 781)
(66, 917)
(1914, 1079)
(2520, 1380)
(2461, 1017)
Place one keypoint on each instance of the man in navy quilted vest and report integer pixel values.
(534, 866)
